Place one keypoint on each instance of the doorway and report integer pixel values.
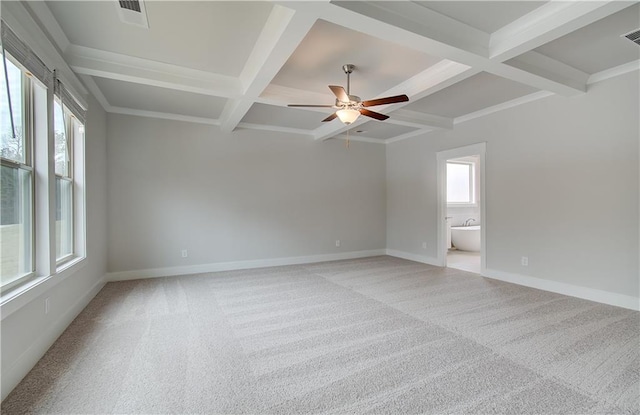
(461, 208)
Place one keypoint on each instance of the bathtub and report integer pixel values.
(466, 238)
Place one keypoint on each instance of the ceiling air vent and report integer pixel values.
(132, 12)
(634, 36)
(132, 5)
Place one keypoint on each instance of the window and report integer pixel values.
(461, 183)
(63, 134)
(42, 217)
(16, 176)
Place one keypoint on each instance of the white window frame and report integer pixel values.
(69, 137)
(26, 165)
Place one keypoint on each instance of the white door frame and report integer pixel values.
(478, 149)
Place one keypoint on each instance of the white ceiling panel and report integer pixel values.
(318, 60)
(381, 130)
(285, 117)
(473, 94)
(199, 35)
(151, 98)
(598, 46)
(487, 16)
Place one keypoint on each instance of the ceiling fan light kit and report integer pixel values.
(350, 107)
(348, 115)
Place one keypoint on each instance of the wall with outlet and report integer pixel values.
(183, 194)
(29, 329)
(562, 185)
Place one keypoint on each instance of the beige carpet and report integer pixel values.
(374, 335)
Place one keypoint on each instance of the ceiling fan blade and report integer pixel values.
(330, 117)
(310, 105)
(387, 100)
(340, 93)
(373, 114)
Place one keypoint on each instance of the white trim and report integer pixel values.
(413, 257)
(163, 115)
(276, 128)
(503, 106)
(12, 375)
(97, 92)
(591, 294)
(407, 135)
(238, 265)
(480, 150)
(14, 300)
(359, 138)
(613, 72)
(43, 13)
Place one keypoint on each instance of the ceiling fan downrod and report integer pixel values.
(348, 68)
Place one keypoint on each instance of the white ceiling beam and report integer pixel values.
(546, 23)
(163, 115)
(420, 120)
(276, 128)
(41, 11)
(280, 36)
(94, 62)
(97, 93)
(443, 30)
(389, 21)
(543, 66)
(283, 95)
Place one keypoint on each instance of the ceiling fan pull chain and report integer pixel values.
(347, 139)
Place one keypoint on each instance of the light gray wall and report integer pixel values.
(561, 187)
(248, 195)
(28, 332)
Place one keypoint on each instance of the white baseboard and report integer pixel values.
(414, 257)
(28, 359)
(237, 265)
(592, 294)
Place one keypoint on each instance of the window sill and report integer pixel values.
(15, 299)
(462, 205)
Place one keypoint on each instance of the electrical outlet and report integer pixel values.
(185, 253)
(525, 261)
(424, 245)
(46, 305)
(338, 242)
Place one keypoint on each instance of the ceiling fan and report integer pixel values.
(349, 107)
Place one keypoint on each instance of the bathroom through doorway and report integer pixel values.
(461, 204)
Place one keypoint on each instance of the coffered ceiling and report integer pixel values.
(237, 64)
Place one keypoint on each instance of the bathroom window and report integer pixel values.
(461, 183)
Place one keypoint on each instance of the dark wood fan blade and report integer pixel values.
(387, 100)
(310, 105)
(374, 114)
(339, 92)
(330, 117)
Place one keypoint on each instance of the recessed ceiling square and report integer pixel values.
(598, 46)
(473, 94)
(380, 65)
(195, 34)
(152, 98)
